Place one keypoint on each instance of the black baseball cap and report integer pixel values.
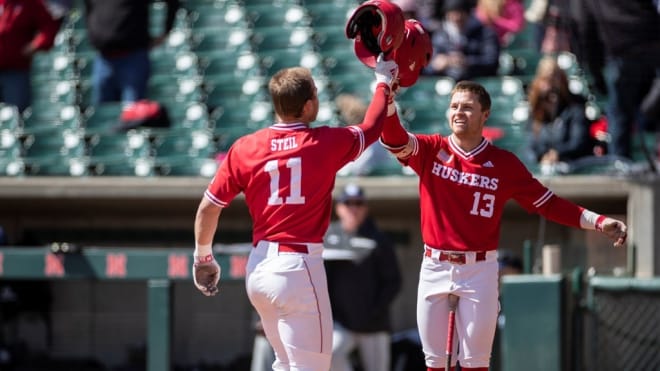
(352, 192)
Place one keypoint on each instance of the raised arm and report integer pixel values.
(386, 72)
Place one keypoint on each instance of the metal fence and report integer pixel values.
(622, 324)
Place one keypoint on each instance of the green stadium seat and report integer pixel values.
(55, 153)
(217, 15)
(10, 118)
(424, 117)
(42, 116)
(228, 62)
(49, 66)
(274, 38)
(234, 91)
(184, 166)
(102, 119)
(210, 40)
(331, 37)
(509, 88)
(55, 91)
(184, 143)
(116, 147)
(276, 15)
(428, 88)
(184, 64)
(171, 89)
(10, 144)
(158, 14)
(330, 13)
(274, 60)
(229, 119)
(11, 166)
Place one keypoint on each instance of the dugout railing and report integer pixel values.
(549, 322)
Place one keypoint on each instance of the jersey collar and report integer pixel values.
(289, 127)
(467, 155)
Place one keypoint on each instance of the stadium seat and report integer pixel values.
(10, 118)
(235, 39)
(158, 14)
(196, 167)
(184, 143)
(234, 91)
(102, 119)
(44, 116)
(217, 15)
(171, 89)
(228, 62)
(424, 117)
(276, 15)
(509, 88)
(274, 60)
(274, 38)
(55, 153)
(10, 144)
(428, 88)
(49, 66)
(330, 13)
(11, 166)
(331, 37)
(114, 147)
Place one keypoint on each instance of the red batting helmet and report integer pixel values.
(414, 53)
(377, 26)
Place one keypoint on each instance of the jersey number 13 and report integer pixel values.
(483, 204)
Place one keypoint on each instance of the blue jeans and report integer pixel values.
(628, 80)
(120, 79)
(15, 88)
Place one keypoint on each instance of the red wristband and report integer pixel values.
(204, 259)
(599, 223)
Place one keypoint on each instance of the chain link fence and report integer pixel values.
(622, 324)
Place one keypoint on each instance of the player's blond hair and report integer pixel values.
(290, 88)
(475, 88)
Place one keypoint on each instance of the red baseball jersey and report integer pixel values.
(287, 173)
(462, 194)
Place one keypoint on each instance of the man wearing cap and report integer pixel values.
(362, 282)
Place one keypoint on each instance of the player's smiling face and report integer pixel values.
(465, 116)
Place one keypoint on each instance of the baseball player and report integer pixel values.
(287, 174)
(464, 184)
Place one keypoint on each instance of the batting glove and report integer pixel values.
(386, 71)
(206, 274)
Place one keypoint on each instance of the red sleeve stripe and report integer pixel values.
(360, 135)
(214, 200)
(543, 199)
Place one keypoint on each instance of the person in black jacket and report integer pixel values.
(463, 47)
(363, 280)
(119, 31)
(620, 46)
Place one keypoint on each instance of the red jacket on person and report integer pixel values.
(24, 23)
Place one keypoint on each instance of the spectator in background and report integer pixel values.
(59, 10)
(26, 27)
(506, 17)
(409, 8)
(559, 128)
(463, 47)
(119, 30)
(631, 61)
(535, 15)
(361, 289)
(352, 110)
